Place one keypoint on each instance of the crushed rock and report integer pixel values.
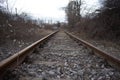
(69, 61)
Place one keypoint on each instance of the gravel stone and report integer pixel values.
(64, 59)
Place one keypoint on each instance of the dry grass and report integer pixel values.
(18, 35)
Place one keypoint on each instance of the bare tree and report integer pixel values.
(73, 12)
(110, 12)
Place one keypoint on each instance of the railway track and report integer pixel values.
(113, 61)
(61, 59)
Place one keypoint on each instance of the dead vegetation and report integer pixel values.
(103, 23)
(17, 32)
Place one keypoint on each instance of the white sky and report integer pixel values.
(45, 9)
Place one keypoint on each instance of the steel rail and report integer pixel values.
(112, 60)
(16, 59)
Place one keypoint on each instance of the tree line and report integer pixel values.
(103, 23)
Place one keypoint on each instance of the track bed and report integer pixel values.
(63, 59)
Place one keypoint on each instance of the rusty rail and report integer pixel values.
(16, 59)
(113, 61)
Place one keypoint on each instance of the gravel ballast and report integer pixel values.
(63, 59)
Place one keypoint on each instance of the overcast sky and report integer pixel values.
(45, 9)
